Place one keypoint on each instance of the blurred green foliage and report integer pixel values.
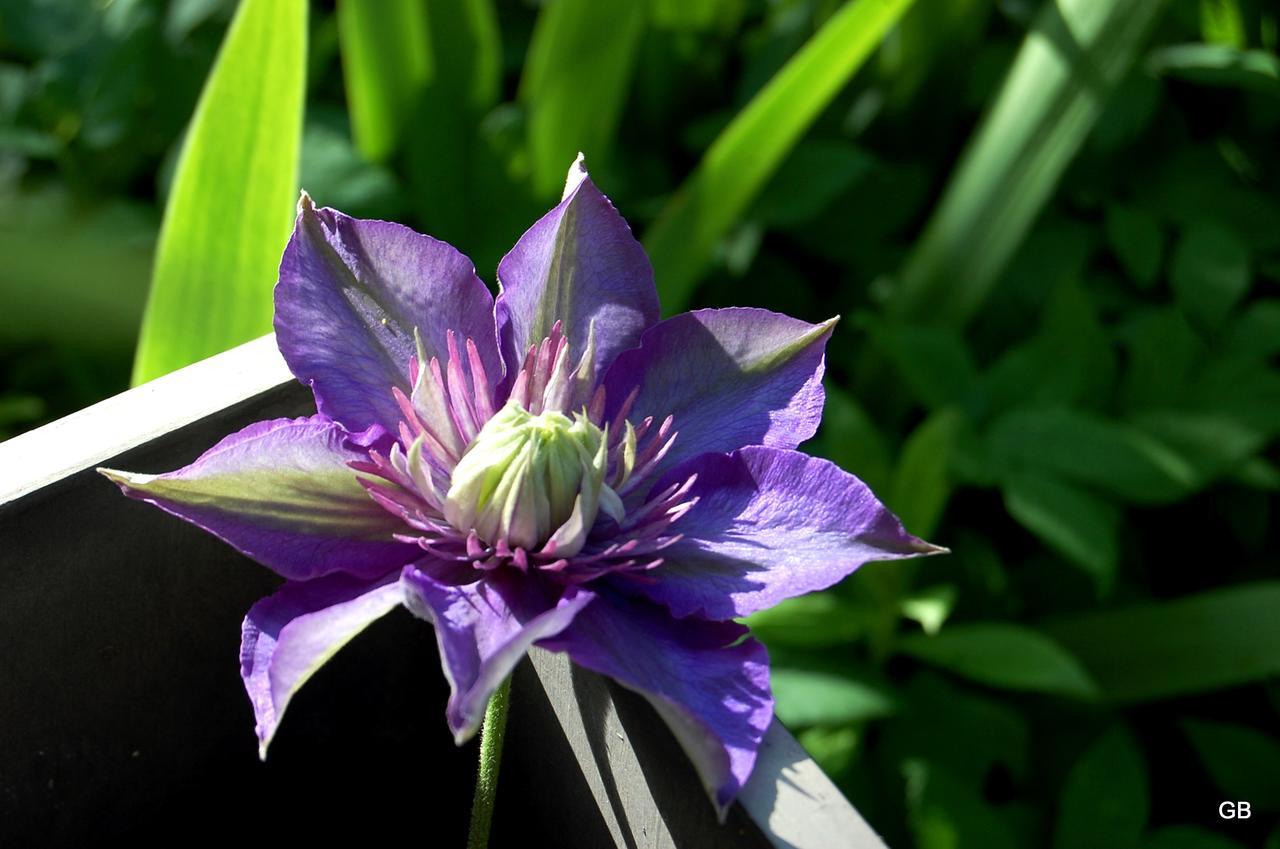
(1054, 231)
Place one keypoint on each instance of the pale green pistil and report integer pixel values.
(527, 479)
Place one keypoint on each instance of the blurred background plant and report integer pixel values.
(1051, 225)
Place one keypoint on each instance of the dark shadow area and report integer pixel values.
(125, 717)
(543, 796)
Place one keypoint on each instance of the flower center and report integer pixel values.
(530, 480)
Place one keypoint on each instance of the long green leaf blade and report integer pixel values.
(1075, 54)
(741, 160)
(386, 61)
(576, 80)
(233, 194)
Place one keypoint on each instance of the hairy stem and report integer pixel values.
(492, 732)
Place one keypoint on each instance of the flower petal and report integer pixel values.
(578, 264)
(351, 293)
(708, 684)
(729, 377)
(287, 636)
(770, 524)
(484, 629)
(280, 491)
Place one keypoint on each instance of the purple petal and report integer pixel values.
(709, 684)
(280, 491)
(729, 377)
(485, 629)
(770, 524)
(578, 264)
(287, 636)
(351, 293)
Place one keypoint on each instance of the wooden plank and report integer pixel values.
(89, 437)
(125, 717)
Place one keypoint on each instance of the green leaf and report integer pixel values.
(816, 620)
(921, 481)
(809, 180)
(1104, 801)
(1255, 335)
(933, 362)
(233, 195)
(1069, 361)
(1090, 450)
(333, 169)
(386, 64)
(51, 246)
(1248, 392)
(1195, 644)
(1138, 242)
(1003, 655)
(947, 813)
(1210, 443)
(576, 80)
(1219, 65)
(1187, 837)
(1078, 525)
(738, 164)
(460, 181)
(967, 732)
(1222, 23)
(1073, 57)
(1210, 274)
(1241, 760)
(821, 697)
(1163, 352)
(930, 607)
(848, 438)
(832, 748)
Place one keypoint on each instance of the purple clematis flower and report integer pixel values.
(555, 468)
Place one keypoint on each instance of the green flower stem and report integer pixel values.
(492, 731)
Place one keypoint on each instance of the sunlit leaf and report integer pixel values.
(821, 697)
(1104, 801)
(1004, 655)
(1202, 642)
(1222, 23)
(233, 195)
(832, 748)
(741, 160)
(815, 620)
(1074, 55)
(930, 607)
